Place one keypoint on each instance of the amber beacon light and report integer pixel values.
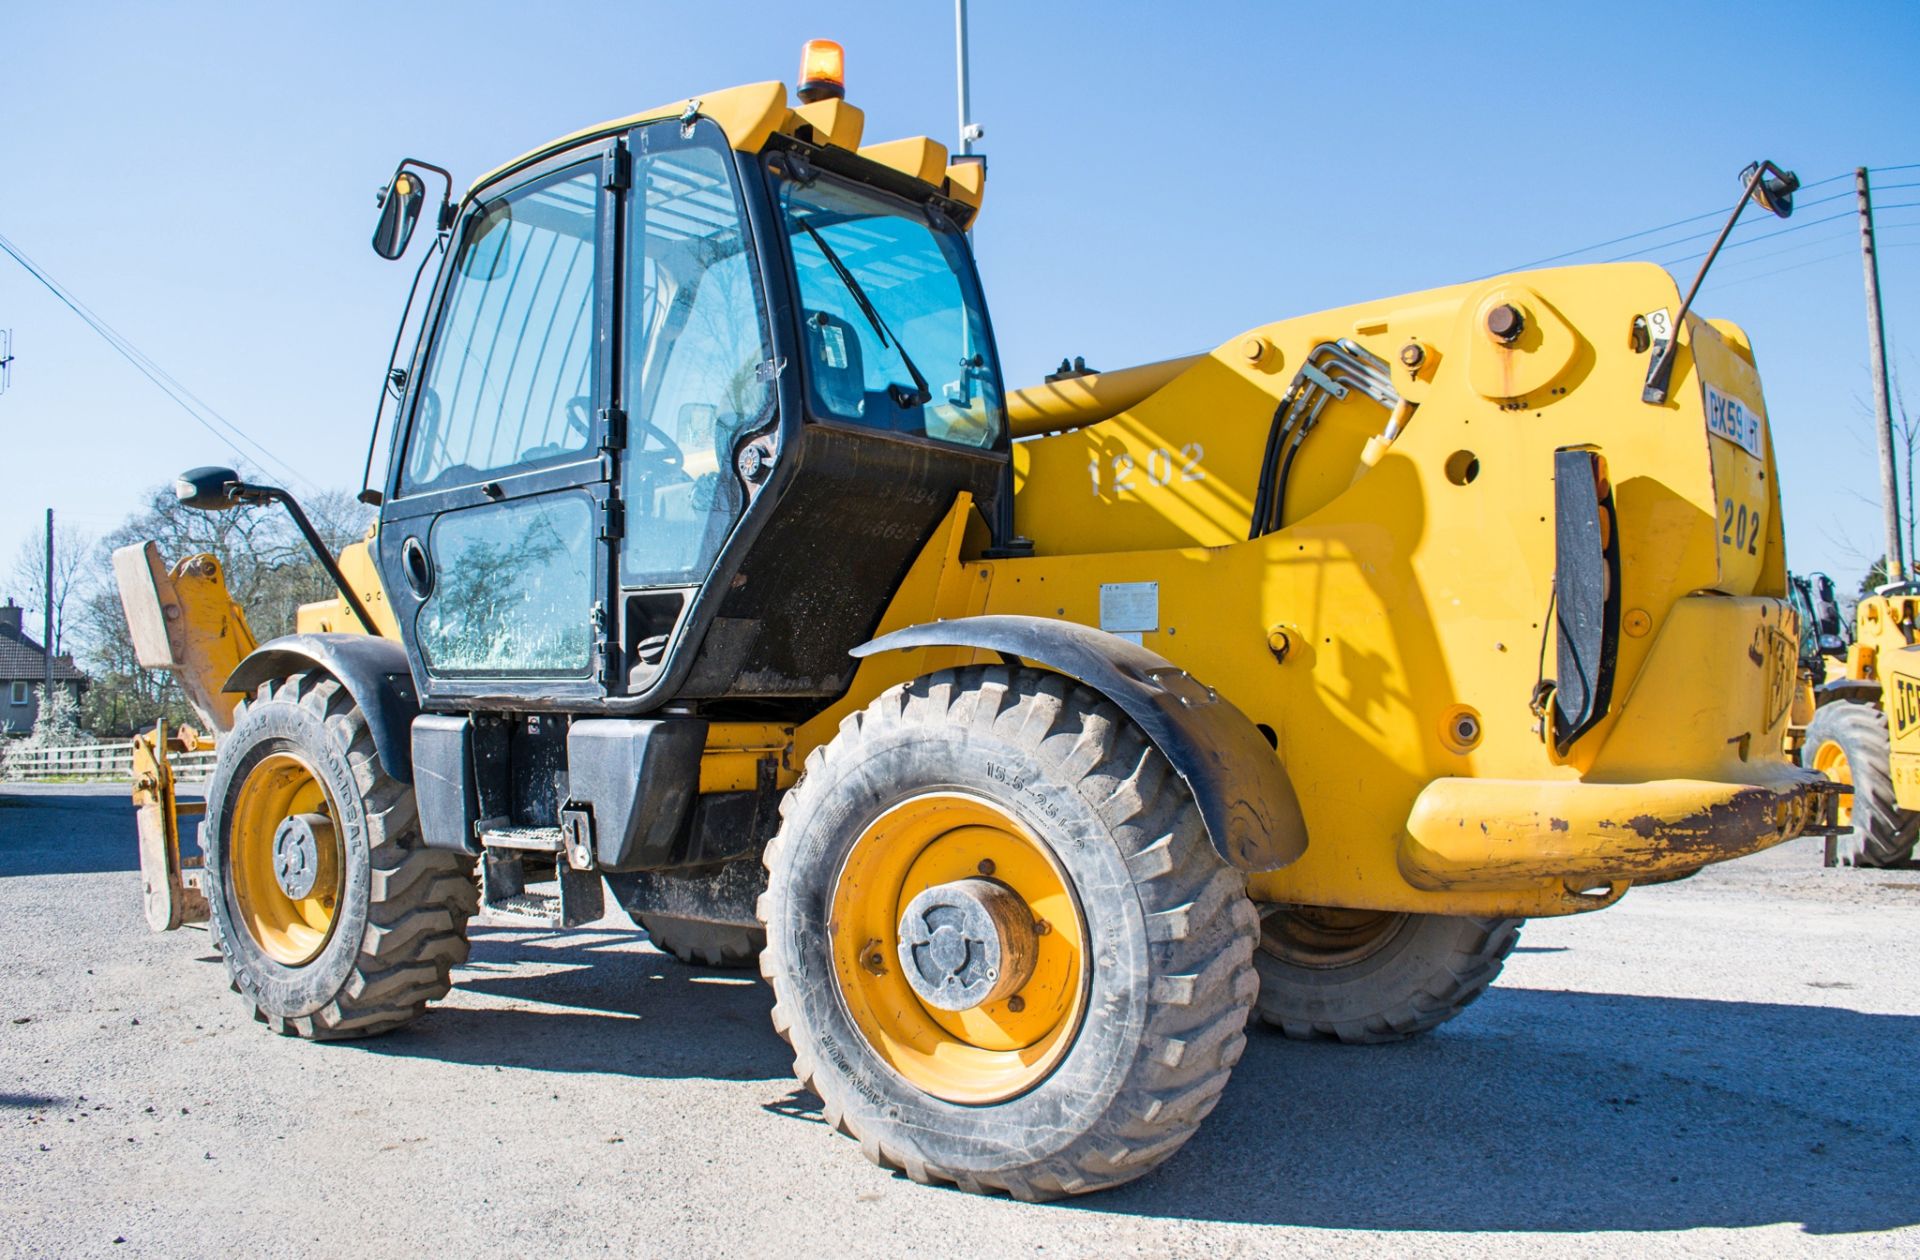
(823, 71)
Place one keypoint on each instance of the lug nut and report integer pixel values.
(1016, 1004)
(1506, 323)
(986, 866)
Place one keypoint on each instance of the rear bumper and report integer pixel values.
(1513, 833)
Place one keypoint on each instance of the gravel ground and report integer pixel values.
(1716, 1067)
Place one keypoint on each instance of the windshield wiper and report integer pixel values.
(921, 395)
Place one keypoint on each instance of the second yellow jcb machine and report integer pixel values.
(1032, 739)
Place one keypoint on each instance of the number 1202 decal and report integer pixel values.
(1740, 527)
(1120, 473)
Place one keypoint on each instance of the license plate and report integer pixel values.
(1733, 420)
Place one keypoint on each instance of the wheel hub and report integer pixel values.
(950, 885)
(298, 842)
(285, 864)
(966, 943)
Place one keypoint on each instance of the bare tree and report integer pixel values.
(268, 569)
(73, 571)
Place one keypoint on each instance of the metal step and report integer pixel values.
(533, 907)
(551, 895)
(532, 839)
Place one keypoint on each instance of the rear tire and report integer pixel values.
(1367, 977)
(1848, 742)
(1158, 928)
(385, 923)
(699, 944)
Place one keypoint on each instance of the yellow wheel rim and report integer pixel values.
(990, 1052)
(291, 929)
(1831, 760)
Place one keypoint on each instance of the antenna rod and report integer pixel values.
(968, 132)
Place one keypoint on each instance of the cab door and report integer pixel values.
(497, 534)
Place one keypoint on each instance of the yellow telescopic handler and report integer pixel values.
(1859, 720)
(1030, 740)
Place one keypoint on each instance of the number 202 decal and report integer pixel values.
(1740, 527)
(1121, 473)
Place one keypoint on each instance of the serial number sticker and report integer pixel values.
(1729, 418)
(1129, 607)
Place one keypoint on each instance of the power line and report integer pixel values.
(1765, 236)
(1845, 233)
(1632, 236)
(1708, 214)
(1700, 236)
(182, 397)
(1851, 251)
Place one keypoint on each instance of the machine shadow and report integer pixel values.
(1551, 1111)
(1538, 1111)
(79, 831)
(620, 1010)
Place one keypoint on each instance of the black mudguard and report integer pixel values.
(1244, 794)
(374, 672)
(1859, 690)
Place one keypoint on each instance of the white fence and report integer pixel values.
(102, 762)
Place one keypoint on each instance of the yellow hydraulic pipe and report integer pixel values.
(1083, 400)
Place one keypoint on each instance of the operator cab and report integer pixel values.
(679, 418)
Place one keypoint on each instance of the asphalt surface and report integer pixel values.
(1723, 1066)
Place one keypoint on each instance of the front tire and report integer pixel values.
(1848, 743)
(1121, 1038)
(333, 917)
(1366, 977)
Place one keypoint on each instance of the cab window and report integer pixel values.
(510, 381)
(895, 335)
(697, 346)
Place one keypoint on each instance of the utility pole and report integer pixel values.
(1877, 364)
(46, 692)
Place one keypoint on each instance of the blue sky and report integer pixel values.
(1162, 176)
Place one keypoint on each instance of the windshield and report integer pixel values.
(896, 337)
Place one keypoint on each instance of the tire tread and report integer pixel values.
(1203, 928)
(420, 898)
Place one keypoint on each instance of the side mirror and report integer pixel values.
(1774, 189)
(399, 203)
(207, 489)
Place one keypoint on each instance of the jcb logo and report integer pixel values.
(1906, 705)
(1781, 656)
